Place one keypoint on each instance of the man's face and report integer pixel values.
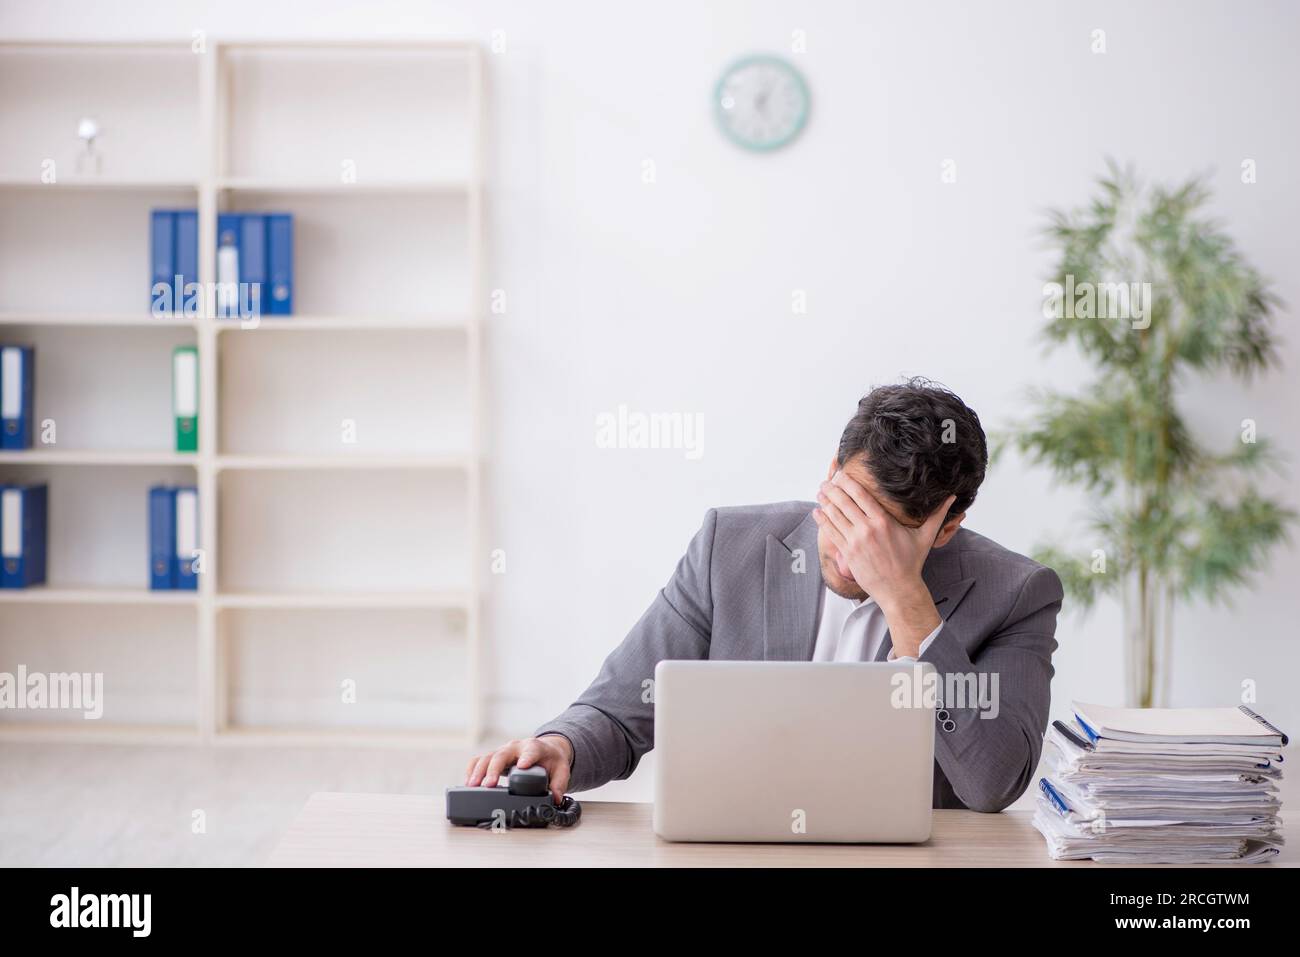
(835, 573)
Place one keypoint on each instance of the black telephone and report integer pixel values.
(524, 802)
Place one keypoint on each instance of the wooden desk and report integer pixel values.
(399, 830)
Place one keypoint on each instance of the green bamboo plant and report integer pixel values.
(1170, 520)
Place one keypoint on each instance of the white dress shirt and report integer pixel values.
(854, 630)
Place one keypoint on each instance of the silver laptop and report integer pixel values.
(777, 751)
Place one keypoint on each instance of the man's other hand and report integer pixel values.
(551, 751)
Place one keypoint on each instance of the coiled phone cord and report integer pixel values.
(541, 815)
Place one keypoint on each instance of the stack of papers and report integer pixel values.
(1161, 786)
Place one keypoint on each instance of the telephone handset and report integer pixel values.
(524, 802)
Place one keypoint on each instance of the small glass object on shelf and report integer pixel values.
(88, 160)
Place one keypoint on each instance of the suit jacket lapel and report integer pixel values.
(792, 591)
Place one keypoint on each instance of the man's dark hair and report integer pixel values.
(921, 443)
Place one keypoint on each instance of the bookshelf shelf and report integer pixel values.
(295, 324)
(362, 186)
(96, 596)
(324, 558)
(94, 321)
(40, 456)
(456, 600)
(98, 184)
(359, 461)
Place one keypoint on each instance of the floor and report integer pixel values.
(126, 805)
(103, 805)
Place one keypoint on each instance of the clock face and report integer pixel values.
(761, 102)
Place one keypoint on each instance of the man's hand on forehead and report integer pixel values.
(884, 556)
(867, 503)
(883, 552)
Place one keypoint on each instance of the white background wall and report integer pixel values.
(676, 296)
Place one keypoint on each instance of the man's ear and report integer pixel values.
(948, 530)
(835, 467)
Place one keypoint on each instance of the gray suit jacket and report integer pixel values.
(742, 593)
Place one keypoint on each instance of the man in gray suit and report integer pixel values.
(895, 576)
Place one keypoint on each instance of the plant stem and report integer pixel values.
(1167, 655)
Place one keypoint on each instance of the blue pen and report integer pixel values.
(1052, 796)
(1092, 735)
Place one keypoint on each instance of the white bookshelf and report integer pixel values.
(339, 448)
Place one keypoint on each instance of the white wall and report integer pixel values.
(676, 296)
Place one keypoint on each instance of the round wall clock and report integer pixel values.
(761, 103)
